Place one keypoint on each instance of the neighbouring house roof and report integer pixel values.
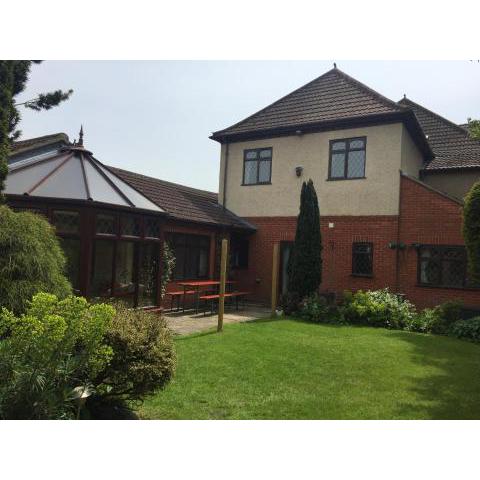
(74, 174)
(452, 145)
(332, 100)
(183, 203)
(33, 143)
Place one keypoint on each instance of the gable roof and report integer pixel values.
(452, 144)
(333, 100)
(183, 203)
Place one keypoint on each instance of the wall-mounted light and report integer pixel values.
(396, 246)
(299, 171)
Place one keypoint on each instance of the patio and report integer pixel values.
(184, 323)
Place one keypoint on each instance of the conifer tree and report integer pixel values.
(13, 80)
(305, 263)
(471, 231)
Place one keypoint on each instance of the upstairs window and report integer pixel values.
(257, 166)
(442, 266)
(347, 159)
(362, 259)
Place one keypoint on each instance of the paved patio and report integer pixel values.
(183, 323)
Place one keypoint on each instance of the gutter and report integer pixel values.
(225, 171)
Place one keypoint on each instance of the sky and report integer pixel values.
(155, 117)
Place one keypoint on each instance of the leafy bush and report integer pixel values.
(378, 308)
(423, 321)
(290, 303)
(168, 265)
(467, 329)
(31, 260)
(143, 359)
(315, 308)
(47, 352)
(471, 231)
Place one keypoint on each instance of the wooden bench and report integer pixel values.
(216, 297)
(178, 295)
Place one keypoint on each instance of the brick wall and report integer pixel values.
(428, 217)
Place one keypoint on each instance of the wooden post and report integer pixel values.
(223, 275)
(275, 265)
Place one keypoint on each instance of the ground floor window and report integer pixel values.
(192, 255)
(71, 249)
(442, 266)
(239, 252)
(362, 259)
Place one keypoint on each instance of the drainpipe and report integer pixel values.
(225, 171)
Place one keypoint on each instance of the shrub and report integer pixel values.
(47, 352)
(315, 308)
(471, 231)
(379, 308)
(423, 321)
(290, 303)
(143, 359)
(31, 260)
(467, 329)
(168, 265)
(445, 315)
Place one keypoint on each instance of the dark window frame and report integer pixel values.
(360, 274)
(346, 151)
(439, 261)
(257, 160)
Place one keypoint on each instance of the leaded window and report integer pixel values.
(152, 228)
(106, 224)
(362, 259)
(257, 166)
(347, 159)
(131, 226)
(192, 254)
(442, 266)
(66, 221)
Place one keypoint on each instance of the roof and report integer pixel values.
(74, 174)
(333, 100)
(452, 144)
(183, 203)
(33, 143)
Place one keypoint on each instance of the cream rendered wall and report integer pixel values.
(456, 184)
(412, 158)
(377, 194)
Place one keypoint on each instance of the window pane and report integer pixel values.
(250, 173)
(102, 269)
(267, 153)
(337, 167)
(356, 164)
(264, 171)
(430, 272)
(357, 143)
(453, 274)
(131, 226)
(66, 221)
(362, 263)
(203, 263)
(106, 224)
(152, 228)
(147, 275)
(179, 254)
(124, 272)
(339, 145)
(251, 155)
(71, 249)
(191, 263)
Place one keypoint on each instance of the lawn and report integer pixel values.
(287, 369)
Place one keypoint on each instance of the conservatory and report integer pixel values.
(111, 233)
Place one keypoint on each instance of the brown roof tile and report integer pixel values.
(332, 96)
(181, 202)
(29, 143)
(451, 143)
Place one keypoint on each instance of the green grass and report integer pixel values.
(287, 369)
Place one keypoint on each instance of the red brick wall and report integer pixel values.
(337, 252)
(428, 217)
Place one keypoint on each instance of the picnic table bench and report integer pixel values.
(215, 297)
(178, 294)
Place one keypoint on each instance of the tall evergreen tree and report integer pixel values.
(305, 264)
(471, 231)
(13, 80)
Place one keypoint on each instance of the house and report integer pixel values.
(112, 223)
(390, 177)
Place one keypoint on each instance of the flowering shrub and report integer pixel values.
(47, 352)
(378, 308)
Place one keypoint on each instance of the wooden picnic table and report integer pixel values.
(196, 285)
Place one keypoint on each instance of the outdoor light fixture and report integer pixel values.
(299, 170)
(396, 246)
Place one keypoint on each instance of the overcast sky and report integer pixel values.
(155, 117)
